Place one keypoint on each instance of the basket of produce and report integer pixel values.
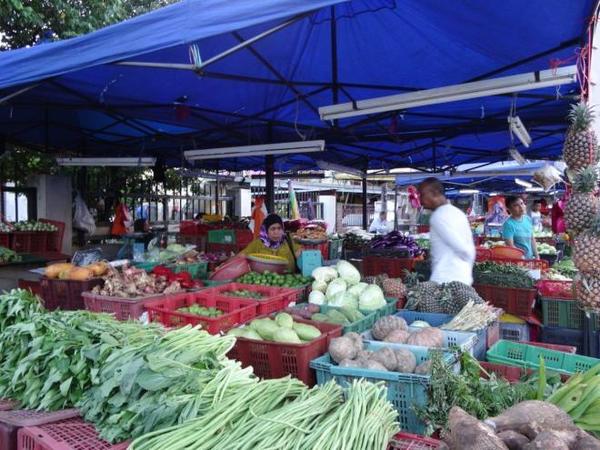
(295, 281)
(312, 234)
(395, 244)
(528, 357)
(408, 441)
(394, 330)
(481, 319)
(8, 256)
(267, 263)
(63, 284)
(72, 434)
(404, 369)
(125, 292)
(215, 314)
(281, 345)
(519, 302)
(192, 262)
(562, 289)
(352, 320)
(269, 298)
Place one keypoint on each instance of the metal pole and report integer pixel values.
(364, 203)
(217, 193)
(396, 208)
(270, 183)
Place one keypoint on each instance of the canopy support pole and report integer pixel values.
(19, 92)
(270, 183)
(364, 203)
(220, 56)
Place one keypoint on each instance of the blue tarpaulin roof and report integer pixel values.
(83, 103)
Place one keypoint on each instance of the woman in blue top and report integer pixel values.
(518, 228)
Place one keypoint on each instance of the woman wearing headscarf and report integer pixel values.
(273, 240)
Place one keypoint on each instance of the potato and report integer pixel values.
(406, 361)
(424, 368)
(386, 357)
(397, 336)
(427, 337)
(342, 348)
(385, 325)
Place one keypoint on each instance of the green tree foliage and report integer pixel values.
(25, 22)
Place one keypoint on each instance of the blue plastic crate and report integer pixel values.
(404, 390)
(309, 260)
(463, 340)
(486, 337)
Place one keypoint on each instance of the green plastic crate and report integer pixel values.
(221, 237)
(197, 270)
(562, 313)
(528, 357)
(146, 265)
(404, 390)
(335, 248)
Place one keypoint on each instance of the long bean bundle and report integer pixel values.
(207, 431)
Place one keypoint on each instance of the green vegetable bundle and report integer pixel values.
(505, 275)
(8, 255)
(158, 383)
(34, 226)
(18, 305)
(50, 360)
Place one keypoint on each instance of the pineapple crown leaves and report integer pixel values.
(585, 180)
(581, 116)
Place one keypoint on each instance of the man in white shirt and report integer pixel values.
(379, 224)
(452, 247)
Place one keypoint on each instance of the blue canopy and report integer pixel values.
(74, 97)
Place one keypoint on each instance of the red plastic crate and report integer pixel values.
(73, 434)
(5, 240)
(274, 298)
(519, 302)
(482, 254)
(55, 238)
(66, 294)
(12, 421)
(408, 441)
(33, 285)
(122, 308)
(276, 360)
(243, 238)
(237, 311)
(7, 404)
(393, 267)
(221, 248)
(30, 241)
(556, 289)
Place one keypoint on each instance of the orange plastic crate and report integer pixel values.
(236, 311)
(73, 434)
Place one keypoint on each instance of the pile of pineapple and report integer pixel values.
(582, 213)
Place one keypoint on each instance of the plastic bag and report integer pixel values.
(547, 176)
(82, 218)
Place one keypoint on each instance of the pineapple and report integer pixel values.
(586, 249)
(581, 147)
(588, 292)
(582, 207)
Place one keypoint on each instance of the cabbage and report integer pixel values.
(337, 285)
(348, 272)
(319, 285)
(343, 299)
(316, 298)
(357, 288)
(325, 274)
(420, 324)
(371, 298)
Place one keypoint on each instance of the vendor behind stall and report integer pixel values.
(273, 240)
(518, 228)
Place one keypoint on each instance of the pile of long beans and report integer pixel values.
(261, 418)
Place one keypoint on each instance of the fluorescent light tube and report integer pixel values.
(534, 189)
(518, 129)
(493, 194)
(468, 191)
(115, 162)
(283, 148)
(525, 184)
(453, 93)
(325, 165)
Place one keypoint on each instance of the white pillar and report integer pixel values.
(329, 211)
